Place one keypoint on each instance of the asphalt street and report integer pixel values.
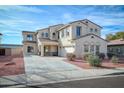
(105, 82)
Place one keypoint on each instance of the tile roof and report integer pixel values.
(116, 42)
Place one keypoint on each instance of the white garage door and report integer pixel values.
(65, 50)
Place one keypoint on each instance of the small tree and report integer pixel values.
(94, 61)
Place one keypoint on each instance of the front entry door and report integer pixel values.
(2, 52)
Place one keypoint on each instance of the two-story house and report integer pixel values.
(78, 37)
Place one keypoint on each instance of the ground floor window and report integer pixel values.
(97, 49)
(30, 49)
(92, 48)
(86, 48)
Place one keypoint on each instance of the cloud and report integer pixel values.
(22, 9)
(11, 33)
(66, 17)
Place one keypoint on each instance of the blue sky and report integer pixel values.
(15, 19)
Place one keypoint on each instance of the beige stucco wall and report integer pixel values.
(53, 29)
(66, 45)
(66, 40)
(93, 26)
(79, 49)
(16, 51)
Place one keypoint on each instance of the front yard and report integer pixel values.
(105, 64)
(11, 65)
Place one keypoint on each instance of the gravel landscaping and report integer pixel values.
(11, 65)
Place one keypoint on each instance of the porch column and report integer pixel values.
(42, 50)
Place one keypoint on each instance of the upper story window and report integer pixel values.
(78, 31)
(46, 34)
(91, 29)
(96, 30)
(30, 37)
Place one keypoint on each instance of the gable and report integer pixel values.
(91, 37)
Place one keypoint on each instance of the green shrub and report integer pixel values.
(114, 60)
(94, 61)
(86, 56)
(70, 56)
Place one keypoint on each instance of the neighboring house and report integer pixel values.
(79, 37)
(9, 49)
(116, 47)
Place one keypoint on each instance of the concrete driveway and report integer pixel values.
(43, 70)
(49, 70)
